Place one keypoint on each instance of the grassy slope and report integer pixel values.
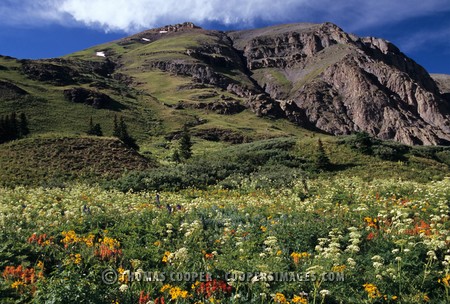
(48, 158)
(150, 119)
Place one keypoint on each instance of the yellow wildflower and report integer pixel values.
(280, 298)
(165, 287)
(17, 284)
(297, 256)
(445, 280)
(372, 291)
(299, 299)
(165, 258)
(177, 292)
(338, 268)
(76, 258)
(123, 278)
(89, 240)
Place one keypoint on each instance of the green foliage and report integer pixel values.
(390, 151)
(185, 144)
(23, 125)
(235, 164)
(321, 162)
(444, 156)
(121, 132)
(95, 130)
(384, 239)
(362, 143)
(11, 128)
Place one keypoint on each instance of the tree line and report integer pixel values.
(13, 127)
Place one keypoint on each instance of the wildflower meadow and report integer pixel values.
(320, 241)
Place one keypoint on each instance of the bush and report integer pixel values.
(264, 158)
(390, 151)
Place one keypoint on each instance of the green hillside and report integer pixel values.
(159, 83)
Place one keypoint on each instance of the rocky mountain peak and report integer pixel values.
(325, 78)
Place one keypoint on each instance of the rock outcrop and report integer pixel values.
(49, 72)
(10, 91)
(327, 79)
(95, 99)
(224, 107)
(443, 82)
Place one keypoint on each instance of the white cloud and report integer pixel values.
(134, 15)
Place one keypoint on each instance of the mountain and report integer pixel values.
(443, 82)
(315, 76)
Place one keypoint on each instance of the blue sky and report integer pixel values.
(51, 28)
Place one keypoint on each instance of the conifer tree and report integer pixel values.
(94, 129)
(11, 128)
(121, 132)
(322, 161)
(23, 125)
(185, 149)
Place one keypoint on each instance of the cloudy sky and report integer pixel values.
(50, 28)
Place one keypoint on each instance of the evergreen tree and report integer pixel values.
(23, 125)
(116, 130)
(13, 126)
(185, 149)
(97, 130)
(363, 143)
(322, 161)
(176, 156)
(121, 132)
(94, 129)
(2, 129)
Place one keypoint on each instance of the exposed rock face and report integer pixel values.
(339, 83)
(224, 107)
(80, 95)
(10, 91)
(443, 82)
(62, 72)
(49, 72)
(200, 73)
(319, 77)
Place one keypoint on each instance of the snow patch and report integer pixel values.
(100, 54)
(163, 32)
(145, 39)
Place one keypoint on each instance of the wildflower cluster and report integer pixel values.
(390, 240)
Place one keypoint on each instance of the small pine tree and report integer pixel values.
(176, 156)
(3, 133)
(363, 143)
(91, 126)
(23, 125)
(116, 130)
(13, 126)
(322, 161)
(185, 149)
(95, 130)
(121, 131)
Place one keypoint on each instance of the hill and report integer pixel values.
(50, 160)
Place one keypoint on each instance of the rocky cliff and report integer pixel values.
(325, 78)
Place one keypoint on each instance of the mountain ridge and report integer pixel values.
(315, 75)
